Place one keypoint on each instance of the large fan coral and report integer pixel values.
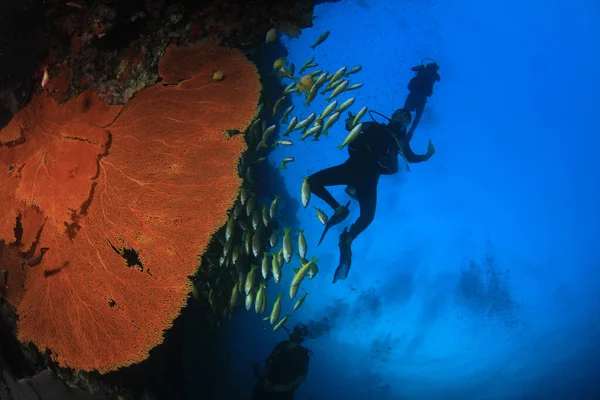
(125, 198)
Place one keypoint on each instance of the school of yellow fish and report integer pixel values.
(251, 248)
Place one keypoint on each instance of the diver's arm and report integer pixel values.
(418, 68)
(413, 158)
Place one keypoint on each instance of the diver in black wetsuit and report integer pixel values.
(420, 87)
(372, 154)
(285, 369)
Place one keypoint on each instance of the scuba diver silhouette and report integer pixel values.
(420, 87)
(373, 153)
(285, 369)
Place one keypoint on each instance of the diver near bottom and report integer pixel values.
(285, 369)
(372, 154)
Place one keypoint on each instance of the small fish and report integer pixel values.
(300, 301)
(346, 105)
(305, 123)
(312, 131)
(287, 245)
(230, 228)
(328, 110)
(286, 74)
(305, 65)
(250, 278)
(286, 113)
(237, 209)
(278, 104)
(299, 277)
(274, 238)
(273, 208)
(304, 84)
(359, 115)
(281, 323)
(312, 93)
(316, 72)
(256, 219)
(235, 254)
(276, 268)
(248, 243)
(235, 295)
(276, 310)
(353, 87)
(333, 86)
(338, 74)
(339, 89)
(312, 65)
(278, 64)
(301, 244)
(249, 174)
(321, 80)
(227, 248)
(320, 40)
(264, 266)
(291, 126)
(218, 76)
(354, 70)
(257, 243)
(211, 299)
(261, 299)
(285, 161)
(240, 284)
(289, 89)
(250, 300)
(250, 204)
(244, 194)
(255, 125)
(265, 215)
(260, 159)
(305, 192)
(267, 132)
(271, 35)
(321, 215)
(280, 257)
(244, 225)
(45, 78)
(351, 136)
(283, 143)
(329, 123)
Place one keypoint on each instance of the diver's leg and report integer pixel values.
(418, 115)
(366, 194)
(333, 176)
(409, 102)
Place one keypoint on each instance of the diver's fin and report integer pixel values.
(343, 268)
(324, 232)
(335, 219)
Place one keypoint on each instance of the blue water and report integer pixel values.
(514, 181)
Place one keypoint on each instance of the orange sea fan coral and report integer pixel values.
(157, 177)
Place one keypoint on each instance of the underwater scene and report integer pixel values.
(353, 199)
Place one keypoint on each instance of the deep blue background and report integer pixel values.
(515, 177)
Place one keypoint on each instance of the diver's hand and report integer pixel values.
(430, 149)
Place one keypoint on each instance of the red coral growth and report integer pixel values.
(158, 180)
